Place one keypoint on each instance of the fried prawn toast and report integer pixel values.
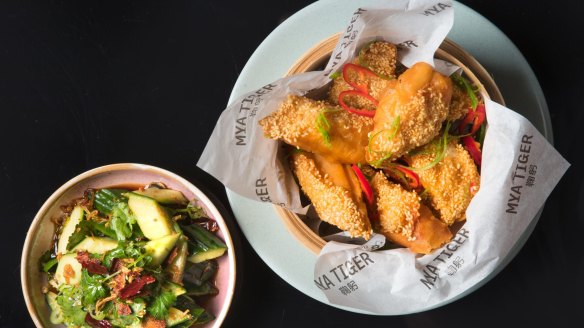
(459, 103)
(320, 128)
(334, 191)
(449, 184)
(411, 115)
(380, 57)
(404, 220)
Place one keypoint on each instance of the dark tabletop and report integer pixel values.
(84, 84)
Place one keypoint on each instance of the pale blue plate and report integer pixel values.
(260, 223)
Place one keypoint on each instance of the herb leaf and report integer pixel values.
(106, 199)
(89, 228)
(127, 250)
(92, 288)
(193, 211)
(160, 305)
(122, 221)
(48, 261)
(69, 300)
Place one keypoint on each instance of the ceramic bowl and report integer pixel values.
(308, 229)
(40, 233)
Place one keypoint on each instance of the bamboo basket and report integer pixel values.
(306, 228)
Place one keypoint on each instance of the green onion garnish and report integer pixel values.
(323, 126)
(463, 83)
(440, 151)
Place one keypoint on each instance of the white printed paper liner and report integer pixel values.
(520, 168)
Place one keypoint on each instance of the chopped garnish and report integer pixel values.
(92, 288)
(335, 75)
(358, 111)
(323, 126)
(473, 149)
(92, 265)
(367, 190)
(440, 151)
(355, 75)
(125, 258)
(159, 307)
(93, 323)
(412, 177)
(474, 119)
(462, 82)
(386, 155)
(135, 287)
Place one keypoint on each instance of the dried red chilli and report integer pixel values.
(471, 146)
(367, 190)
(123, 309)
(135, 287)
(358, 111)
(92, 265)
(474, 118)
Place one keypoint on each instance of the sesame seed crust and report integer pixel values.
(378, 87)
(451, 183)
(333, 203)
(420, 120)
(419, 106)
(295, 123)
(429, 234)
(381, 58)
(459, 104)
(398, 209)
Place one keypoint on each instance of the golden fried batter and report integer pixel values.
(378, 87)
(318, 127)
(380, 57)
(429, 234)
(411, 115)
(404, 220)
(335, 192)
(397, 207)
(459, 104)
(451, 183)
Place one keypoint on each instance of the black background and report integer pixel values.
(89, 83)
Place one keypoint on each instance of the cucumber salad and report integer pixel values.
(127, 257)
